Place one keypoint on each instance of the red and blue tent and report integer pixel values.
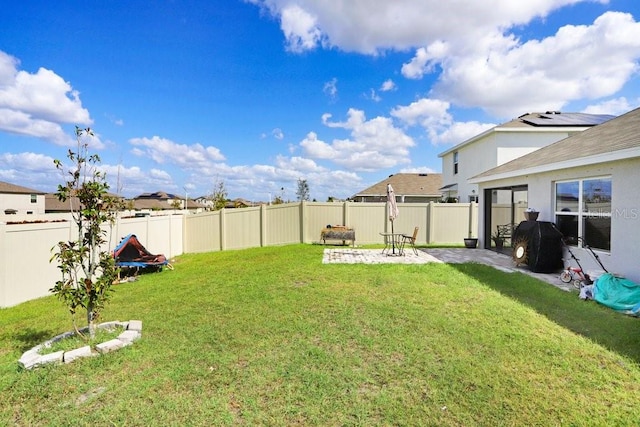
(131, 253)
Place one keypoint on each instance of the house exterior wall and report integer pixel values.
(494, 149)
(625, 210)
(22, 203)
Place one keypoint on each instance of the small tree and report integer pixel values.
(87, 270)
(303, 190)
(219, 196)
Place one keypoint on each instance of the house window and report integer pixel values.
(34, 198)
(583, 209)
(455, 163)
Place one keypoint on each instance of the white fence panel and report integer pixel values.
(25, 249)
(281, 224)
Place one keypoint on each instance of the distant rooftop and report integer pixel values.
(6, 187)
(407, 184)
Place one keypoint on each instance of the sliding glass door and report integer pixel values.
(504, 209)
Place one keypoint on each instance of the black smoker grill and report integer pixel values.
(539, 244)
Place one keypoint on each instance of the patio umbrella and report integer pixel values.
(393, 212)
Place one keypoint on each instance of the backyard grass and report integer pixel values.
(271, 336)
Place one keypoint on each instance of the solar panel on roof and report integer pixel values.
(566, 119)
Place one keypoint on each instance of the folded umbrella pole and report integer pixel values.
(392, 205)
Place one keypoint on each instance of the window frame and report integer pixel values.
(455, 162)
(582, 214)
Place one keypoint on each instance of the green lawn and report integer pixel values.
(271, 336)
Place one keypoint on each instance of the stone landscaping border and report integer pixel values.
(32, 358)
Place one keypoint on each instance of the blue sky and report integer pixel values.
(261, 93)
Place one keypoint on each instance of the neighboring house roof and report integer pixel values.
(192, 204)
(8, 188)
(239, 203)
(407, 184)
(154, 204)
(151, 204)
(158, 195)
(540, 122)
(52, 204)
(617, 139)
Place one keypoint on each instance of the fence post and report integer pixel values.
(3, 265)
(303, 225)
(430, 222)
(345, 213)
(263, 225)
(471, 212)
(476, 222)
(223, 230)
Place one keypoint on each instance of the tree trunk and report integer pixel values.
(90, 322)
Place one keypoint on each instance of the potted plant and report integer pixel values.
(531, 214)
(498, 240)
(470, 242)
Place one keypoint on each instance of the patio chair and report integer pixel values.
(411, 240)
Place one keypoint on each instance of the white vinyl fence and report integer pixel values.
(25, 248)
(302, 223)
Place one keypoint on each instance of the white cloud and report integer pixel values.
(373, 96)
(300, 164)
(388, 85)
(31, 170)
(374, 144)
(434, 117)
(417, 67)
(28, 162)
(37, 104)
(425, 112)
(424, 60)
(459, 132)
(114, 120)
(475, 56)
(159, 174)
(377, 25)
(132, 181)
(422, 169)
(508, 78)
(331, 88)
(612, 106)
(316, 148)
(21, 123)
(188, 157)
(277, 133)
(300, 28)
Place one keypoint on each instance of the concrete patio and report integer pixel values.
(442, 255)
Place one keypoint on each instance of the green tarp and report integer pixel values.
(618, 293)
